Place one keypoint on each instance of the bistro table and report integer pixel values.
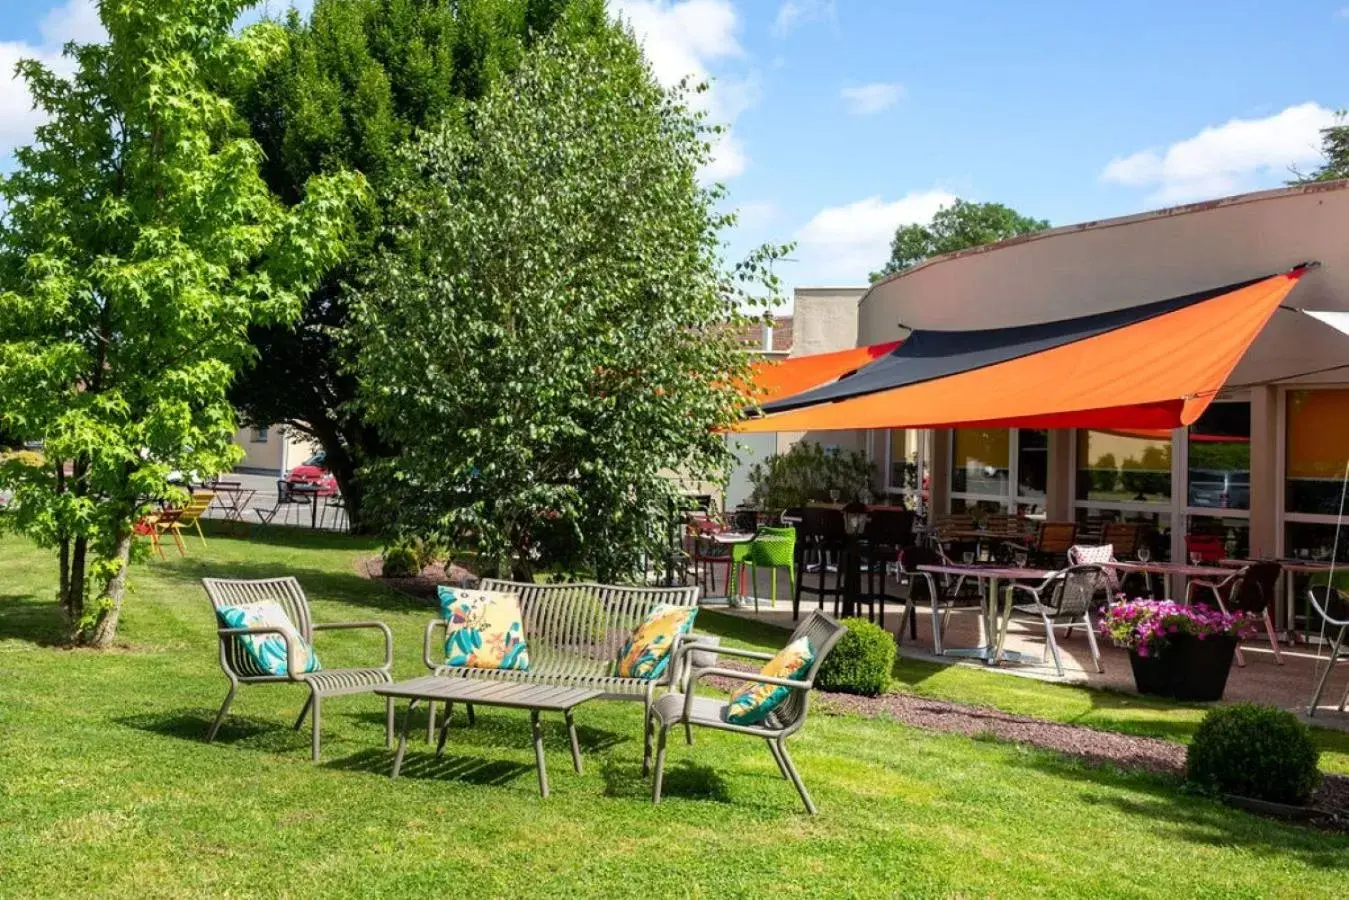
(233, 499)
(1176, 569)
(995, 625)
(730, 539)
(534, 697)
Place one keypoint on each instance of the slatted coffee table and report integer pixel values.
(537, 698)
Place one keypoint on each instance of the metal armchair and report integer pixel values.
(1064, 598)
(240, 669)
(1250, 589)
(1333, 607)
(689, 709)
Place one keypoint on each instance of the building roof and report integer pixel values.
(783, 327)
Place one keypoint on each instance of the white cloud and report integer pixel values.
(794, 13)
(868, 99)
(688, 39)
(844, 244)
(75, 20)
(1236, 156)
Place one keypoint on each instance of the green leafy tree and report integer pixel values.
(808, 472)
(1335, 149)
(956, 227)
(139, 244)
(359, 79)
(553, 335)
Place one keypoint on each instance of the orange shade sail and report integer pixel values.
(1159, 372)
(774, 379)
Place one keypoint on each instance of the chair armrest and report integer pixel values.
(746, 654)
(347, 626)
(681, 656)
(265, 629)
(426, 643)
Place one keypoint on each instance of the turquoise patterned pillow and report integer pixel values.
(752, 704)
(267, 652)
(647, 651)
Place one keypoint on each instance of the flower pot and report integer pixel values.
(1186, 669)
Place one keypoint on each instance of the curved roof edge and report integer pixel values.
(1316, 187)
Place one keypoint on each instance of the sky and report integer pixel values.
(849, 118)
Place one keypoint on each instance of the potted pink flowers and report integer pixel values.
(1183, 652)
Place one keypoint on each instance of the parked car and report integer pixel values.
(314, 470)
(1220, 490)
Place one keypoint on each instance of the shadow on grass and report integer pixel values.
(299, 538)
(24, 618)
(192, 725)
(684, 779)
(318, 584)
(497, 728)
(1175, 814)
(425, 765)
(737, 628)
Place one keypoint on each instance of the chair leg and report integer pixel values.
(1273, 638)
(795, 777)
(178, 539)
(388, 722)
(314, 748)
(1091, 642)
(224, 709)
(200, 534)
(660, 766)
(647, 729)
(1325, 676)
(304, 711)
(777, 757)
(796, 595)
(1053, 644)
(444, 730)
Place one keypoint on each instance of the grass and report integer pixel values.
(106, 786)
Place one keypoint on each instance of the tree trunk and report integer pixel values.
(72, 603)
(110, 600)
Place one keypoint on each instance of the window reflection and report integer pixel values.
(1124, 466)
(980, 461)
(1220, 457)
(1032, 462)
(1318, 446)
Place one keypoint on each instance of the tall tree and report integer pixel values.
(1335, 149)
(138, 245)
(956, 227)
(359, 80)
(552, 333)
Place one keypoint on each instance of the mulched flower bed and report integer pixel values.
(422, 586)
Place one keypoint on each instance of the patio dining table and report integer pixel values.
(996, 621)
(233, 499)
(730, 539)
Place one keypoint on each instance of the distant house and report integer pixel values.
(272, 450)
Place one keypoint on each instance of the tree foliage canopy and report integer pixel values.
(358, 80)
(553, 335)
(1335, 149)
(138, 246)
(956, 227)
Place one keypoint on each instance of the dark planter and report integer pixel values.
(1188, 669)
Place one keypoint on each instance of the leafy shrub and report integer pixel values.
(1254, 751)
(30, 458)
(808, 472)
(861, 661)
(400, 561)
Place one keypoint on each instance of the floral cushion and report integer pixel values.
(266, 653)
(647, 652)
(1088, 555)
(752, 704)
(484, 631)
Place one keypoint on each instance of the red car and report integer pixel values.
(314, 470)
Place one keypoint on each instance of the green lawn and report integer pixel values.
(106, 787)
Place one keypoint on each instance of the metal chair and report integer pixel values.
(689, 708)
(239, 668)
(1332, 606)
(943, 597)
(819, 536)
(1064, 598)
(1251, 589)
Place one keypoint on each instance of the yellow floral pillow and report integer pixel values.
(484, 631)
(647, 652)
(752, 704)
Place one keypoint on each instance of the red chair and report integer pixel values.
(706, 554)
(1209, 547)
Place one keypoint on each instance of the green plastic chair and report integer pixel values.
(773, 548)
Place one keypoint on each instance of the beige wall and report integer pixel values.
(825, 319)
(283, 449)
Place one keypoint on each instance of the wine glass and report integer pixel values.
(1020, 557)
(1195, 558)
(1144, 553)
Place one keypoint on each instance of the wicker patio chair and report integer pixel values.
(1064, 598)
(240, 669)
(689, 709)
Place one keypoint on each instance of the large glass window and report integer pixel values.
(1124, 466)
(1219, 462)
(1032, 462)
(907, 479)
(1318, 446)
(981, 460)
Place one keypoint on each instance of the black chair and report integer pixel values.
(887, 532)
(819, 536)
